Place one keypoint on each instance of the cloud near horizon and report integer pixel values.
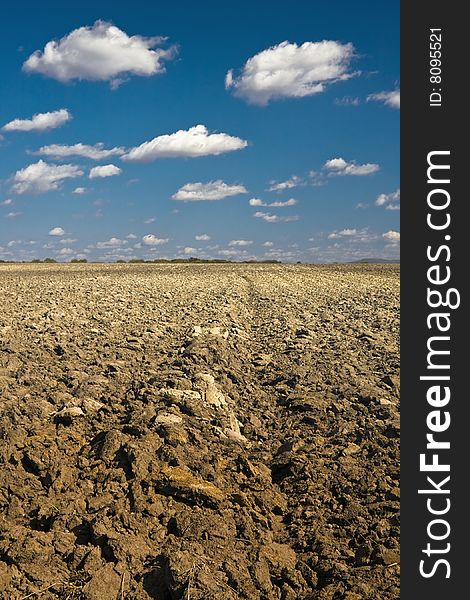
(152, 240)
(191, 143)
(213, 190)
(291, 71)
(57, 231)
(39, 121)
(392, 236)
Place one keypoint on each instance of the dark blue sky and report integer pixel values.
(343, 211)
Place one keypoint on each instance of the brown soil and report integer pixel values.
(199, 432)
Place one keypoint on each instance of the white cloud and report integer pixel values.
(390, 201)
(111, 243)
(361, 205)
(268, 244)
(150, 220)
(40, 121)
(68, 241)
(7, 202)
(291, 71)
(240, 243)
(275, 218)
(79, 190)
(104, 171)
(391, 99)
(99, 53)
(202, 238)
(278, 204)
(196, 141)
(131, 236)
(189, 250)
(338, 166)
(294, 181)
(231, 252)
(344, 233)
(392, 236)
(290, 202)
(42, 177)
(66, 251)
(347, 101)
(151, 240)
(213, 190)
(96, 152)
(12, 215)
(57, 231)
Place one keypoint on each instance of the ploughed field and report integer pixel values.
(200, 432)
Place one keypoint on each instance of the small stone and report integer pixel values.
(351, 449)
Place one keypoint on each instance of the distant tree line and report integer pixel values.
(157, 260)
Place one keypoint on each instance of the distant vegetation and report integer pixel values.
(157, 261)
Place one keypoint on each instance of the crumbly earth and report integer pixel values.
(205, 432)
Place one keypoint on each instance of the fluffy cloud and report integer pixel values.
(40, 121)
(213, 190)
(131, 236)
(96, 152)
(268, 244)
(202, 238)
(196, 141)
(345, 233)
(278, 204)
(57, 231)
(79, 190)
(104, 171)
(392, 236)
(42, 177)
(391, 99)
(294, 181)
(291, 71)
(12, 215)
(152, 240)
(390, 201)
(7, 202)
(338, 166)
(189, 250)
(66, 252)
(111, 243)
(99, 53)
(240, 243)
(275, 218)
